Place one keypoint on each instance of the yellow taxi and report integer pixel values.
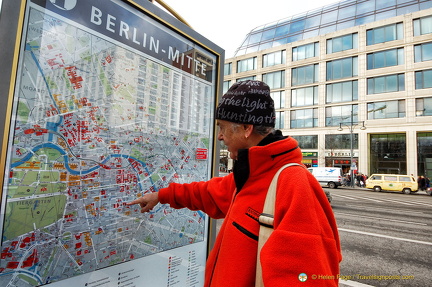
(393, 182)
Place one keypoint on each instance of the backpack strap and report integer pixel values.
(266, 220)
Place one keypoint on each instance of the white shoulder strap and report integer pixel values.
(266, 221)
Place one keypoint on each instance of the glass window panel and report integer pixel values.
(378, 35)
(391, 58)
(329, 46)
(294, 38)
(255, 38)
(385, 3)
(313, 21)
(279, 42)
(385, 15)
(309, 76)
(427, 77)
(365, 7)
(401, 79)
(347, 42)
(328, 29)
(425, 5)
(297, 26)
(399, 31)
(329, 17)
(418, 53)
(347, 68)
(390, 33)
(310, 50)
(370, 86)
(370, 61)
(281, 30)
(265, 46)
(347, 12)
(355, 90)
(419, 80)
(379, 85)
(369, 37)
(252, 49)
(401, 58)
(427, 52)
(337, 44)
(391, 83)
(267, 35)
(364, 20)
(425, 25)
(408, 9)
(345, 25)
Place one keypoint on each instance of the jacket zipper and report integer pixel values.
(245, 231)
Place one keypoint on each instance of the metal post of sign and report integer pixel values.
(351, 126)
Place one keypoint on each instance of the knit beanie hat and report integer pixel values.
(247, 102)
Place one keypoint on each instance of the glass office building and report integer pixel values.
(352, 82)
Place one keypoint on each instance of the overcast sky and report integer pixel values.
(226, 22)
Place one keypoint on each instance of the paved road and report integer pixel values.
(386, 237)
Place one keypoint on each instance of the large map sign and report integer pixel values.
(109, 104)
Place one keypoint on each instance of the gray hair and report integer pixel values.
(260, 130)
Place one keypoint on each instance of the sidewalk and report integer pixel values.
(349, 283)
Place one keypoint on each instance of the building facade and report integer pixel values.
(352, 82)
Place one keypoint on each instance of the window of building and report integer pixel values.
(252, 78)
(305, 51)
(246, 65)
(342, 92)
(279, 99)
(336, 115)
(307, 142)
(424, 154)
(342, 68)
(280, 120)
(304, 97)
(226, 86)
(275, 80)
(227, 69)
(304, 75)
(384, 34)
(424, 107)
(422, 26)
(423, 52)
(388, 153)
(341, 141)
(386, 58)
(307, 118)
(342, 43)
(274, 58)
(386, 110)
(386, 84)
(423, 79)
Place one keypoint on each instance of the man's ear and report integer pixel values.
(248, 130)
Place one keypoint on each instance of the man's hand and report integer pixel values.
(147, 202)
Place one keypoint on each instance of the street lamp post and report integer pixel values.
(351, 126)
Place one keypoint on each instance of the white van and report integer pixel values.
(328, 176)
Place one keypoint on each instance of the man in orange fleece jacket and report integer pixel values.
(305, 240)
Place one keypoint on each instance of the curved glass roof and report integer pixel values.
(329, 18)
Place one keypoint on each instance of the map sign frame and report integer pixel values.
(103, 102)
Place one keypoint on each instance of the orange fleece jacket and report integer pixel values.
(305, 237)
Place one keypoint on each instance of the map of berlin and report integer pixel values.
(97, 125)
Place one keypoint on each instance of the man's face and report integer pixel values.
(233, 135)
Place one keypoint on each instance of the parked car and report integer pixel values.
(328, 176)
(392, 182)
